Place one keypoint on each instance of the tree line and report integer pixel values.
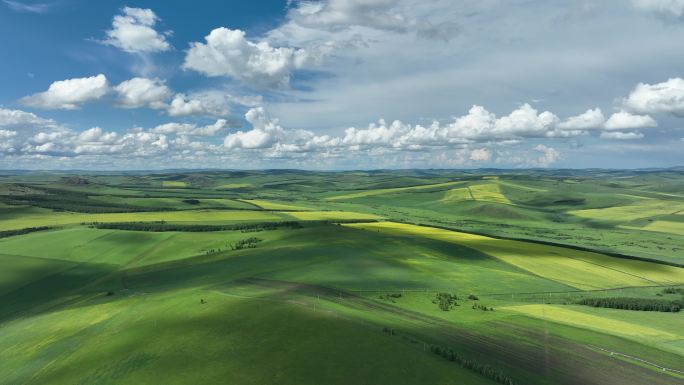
(449, 354)
(642, 304)
(11, 233)
(483, 369)
(161, 226)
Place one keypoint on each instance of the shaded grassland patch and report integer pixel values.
(583, 270)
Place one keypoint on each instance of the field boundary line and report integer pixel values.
(612, 353)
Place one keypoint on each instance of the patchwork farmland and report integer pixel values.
(401, 277)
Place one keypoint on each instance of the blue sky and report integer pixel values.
(340, 84)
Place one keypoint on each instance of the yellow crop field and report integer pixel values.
(382, 191)
(230, 186)
(329, 215)
(579, 269)
(457, 195)
(270, 205)
(638, 210)
(488, 192)
(520, 186)
(174, 184)
(671, 227)
(567, 316)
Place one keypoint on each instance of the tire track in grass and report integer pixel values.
(641, 360)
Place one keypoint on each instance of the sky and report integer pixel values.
(341, 84)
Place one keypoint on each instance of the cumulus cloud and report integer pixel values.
(16, 127)
(142, 92)
(208, 103)
(69, 94)
(549, 155)
(133, 31)
(20, 119)
(477, 126)
(667, 97)
(525, 121)
(624, 120)
(592, 118)
(620, 135)
(227, 52)
(264, 133)
(95, 141)
(665, 7)
(192, 129)
(480, 155)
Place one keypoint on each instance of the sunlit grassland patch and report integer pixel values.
(576, 317)
(672, 227)
(638, 210)
(488, 192)
(330, 215)
(234, 186)
(174, 184)
(366, 193)
(272, 205)
(580, 269)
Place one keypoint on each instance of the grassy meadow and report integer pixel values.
(297, 277)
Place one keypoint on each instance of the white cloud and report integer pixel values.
(6, 134)
(592, 118)
(133, 31)
(191, 129)
(620, 135)
(481, 155)
(478, 126)
(264, 133)
(624, 120)
(337, 14)
(525, 121)
(228, 53)
(667, 7)
(18, 118)
(69, 94)
(142, 92)
(666, 97)
(181, 105)
(549, 155)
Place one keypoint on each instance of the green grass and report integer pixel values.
(580, 269)
(136, 340)
(307, 305)
(84, 245)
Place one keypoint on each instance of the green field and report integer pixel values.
(295, 277)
